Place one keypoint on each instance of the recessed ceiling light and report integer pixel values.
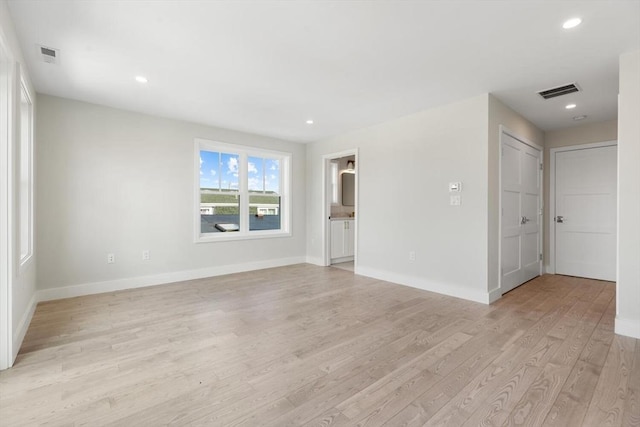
(141, 79)
(576, 118)
(570, 106)
(571, 23)
(309, 122)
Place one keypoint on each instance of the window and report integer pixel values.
(242, 192)
(26, 175)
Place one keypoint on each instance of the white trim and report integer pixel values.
(255, 234)
(6, 207)
(23, 326)
(315, 261)
(551, 268)
(502, 131)
(326, 210)
(627, 327)
(341, 259)
(326, 205)
(160, 279)
(494, 295)
(427, 285)
(24, 261)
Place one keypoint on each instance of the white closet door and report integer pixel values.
(521, 213)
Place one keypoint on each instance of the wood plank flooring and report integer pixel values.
(311, 346)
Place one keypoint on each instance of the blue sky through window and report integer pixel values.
(219, 170)
(264, 174)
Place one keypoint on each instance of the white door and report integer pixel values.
(521, 213)
(585, 212)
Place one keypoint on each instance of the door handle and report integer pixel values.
(524, 220)
(559, 219)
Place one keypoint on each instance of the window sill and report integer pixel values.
(232, 236)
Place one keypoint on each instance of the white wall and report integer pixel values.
(582, 134)
(21, 280)
(628, 291)
(500, 114)
(404, 168)
(116, 181)
(409, 162)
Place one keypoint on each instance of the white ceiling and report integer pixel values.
(268, 66)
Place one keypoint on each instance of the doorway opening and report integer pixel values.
(340, 222)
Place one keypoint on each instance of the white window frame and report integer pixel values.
(243, 152)
(25, 240)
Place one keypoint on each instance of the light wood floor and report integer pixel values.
(305, 345)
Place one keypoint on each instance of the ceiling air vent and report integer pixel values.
(559, 91)
(49, 54)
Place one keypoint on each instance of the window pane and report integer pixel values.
(255, 174)
(272, 175)
(229, 180)
(219, 197)
(219, 171)
(263, 177)
(209, 170)
(264, 212)
(219, 212)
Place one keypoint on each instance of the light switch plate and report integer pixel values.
(455, 187)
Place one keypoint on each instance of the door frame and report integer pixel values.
(506, 131)
(7, 94)
(326, 206)
(551, 268)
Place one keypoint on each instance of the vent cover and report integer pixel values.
(559, 91)
(49, 54)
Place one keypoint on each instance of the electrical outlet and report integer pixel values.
(412, 256)
(146, 256)
(111, 258)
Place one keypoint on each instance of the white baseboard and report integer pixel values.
(416, 282)
(23, 326)
(628, 327)
(315, 261)
(160, 279)
(495, 294)
(343, 259)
